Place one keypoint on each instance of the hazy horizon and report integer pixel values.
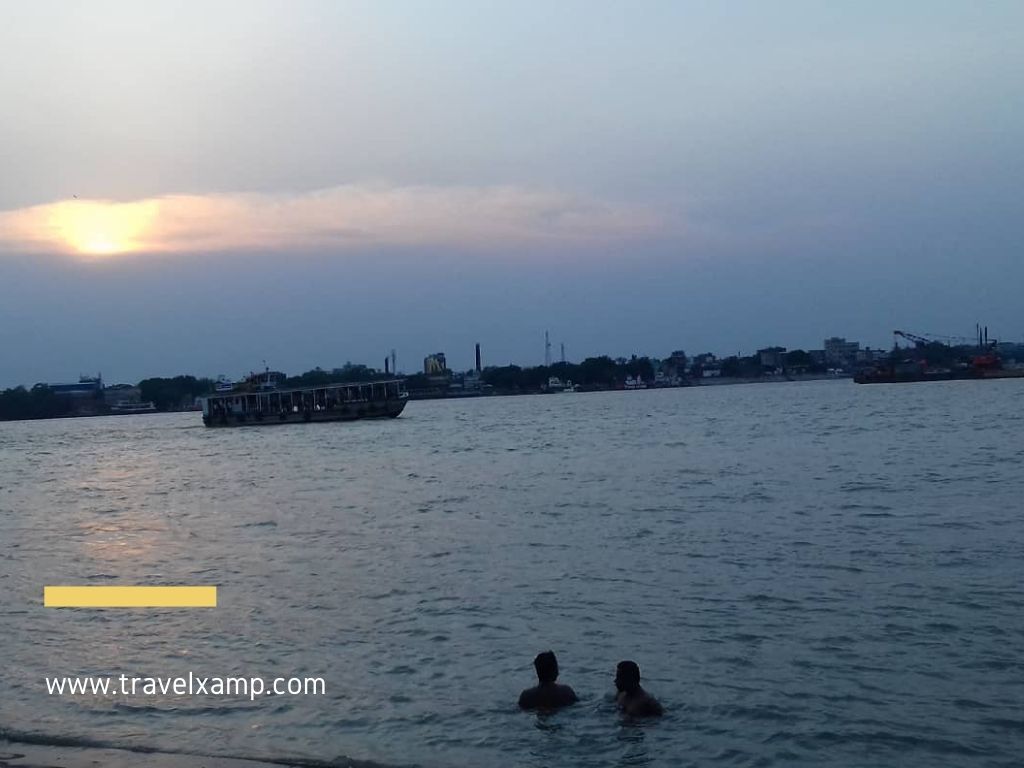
(194, 188)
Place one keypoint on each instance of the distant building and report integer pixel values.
(121, 394)
(268, 380)
(869, 355)
(840, 352)
(702, 363)
(87, 386)
(86, 396)
(435, 364)
(675, 365)
(471, 381)
(772, 357)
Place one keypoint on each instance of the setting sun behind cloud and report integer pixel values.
(100, 228)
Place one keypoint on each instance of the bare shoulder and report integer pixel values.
(528, 699)
(567, 694)
(547, 697)
(653, 707)
(643, 706)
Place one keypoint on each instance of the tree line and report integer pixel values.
(36, 403)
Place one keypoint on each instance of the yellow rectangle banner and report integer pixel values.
(130, 597)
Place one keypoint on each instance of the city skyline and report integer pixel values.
(442, 360)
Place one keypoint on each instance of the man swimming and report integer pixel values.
(633, 700)
(547, 694)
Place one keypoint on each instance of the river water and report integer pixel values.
(821, 573)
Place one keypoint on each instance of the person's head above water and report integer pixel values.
(633, 700)
(547, 694)
(547, 667)
(627, 676)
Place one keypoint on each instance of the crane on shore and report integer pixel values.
(985, 357)
(924, 339)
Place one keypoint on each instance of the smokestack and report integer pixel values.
(387, 366)
(478, 368)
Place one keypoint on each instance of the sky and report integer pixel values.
(199, 187)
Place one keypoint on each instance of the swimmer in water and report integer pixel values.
(547, 694)
(632, 699)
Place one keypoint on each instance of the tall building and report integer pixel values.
(435, 364)
(839, 351)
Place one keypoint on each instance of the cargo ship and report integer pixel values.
(931, 360)
(331, 402)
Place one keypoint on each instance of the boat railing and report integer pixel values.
(304, 399)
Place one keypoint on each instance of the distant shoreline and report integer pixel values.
(692, 384)
(421, 395)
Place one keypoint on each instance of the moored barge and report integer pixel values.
(894, 374)
(331, 402)
(932, 360)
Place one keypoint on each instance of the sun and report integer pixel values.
(102, 228)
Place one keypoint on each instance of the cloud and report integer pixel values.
(339, 217)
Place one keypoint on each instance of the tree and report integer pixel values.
(741, 367)
(39, 403)
(640, 368)
(506, 377)
(174, 393)
(598, 371)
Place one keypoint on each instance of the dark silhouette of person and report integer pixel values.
(632, 699)
(547, 694)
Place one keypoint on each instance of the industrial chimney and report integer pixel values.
(387, 367)
(478, 369)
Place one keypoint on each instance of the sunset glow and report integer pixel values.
(335, 218)
(98, 228)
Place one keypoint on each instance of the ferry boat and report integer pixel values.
(331, 402)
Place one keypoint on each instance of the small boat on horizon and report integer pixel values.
(556, 385)
(131, 407)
